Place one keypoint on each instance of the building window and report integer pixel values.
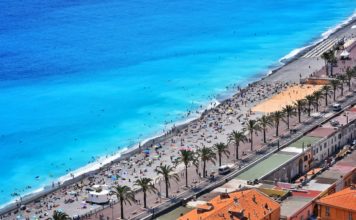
(327, 211)
(350, 216)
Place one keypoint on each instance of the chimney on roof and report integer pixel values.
(254, 199)
(236, 200)
(266, 206)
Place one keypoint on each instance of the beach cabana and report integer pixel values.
(344, 55)
(100, 197)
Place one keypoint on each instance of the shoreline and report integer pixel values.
(127, 152)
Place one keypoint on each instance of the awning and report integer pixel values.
(345, 54)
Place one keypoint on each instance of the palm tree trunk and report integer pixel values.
(288, 121)
(144, 199)
(277, 125)
(219, 159)
(204, 167)
(122, 209)
(299, 114)
(309, 106)
(334, 95)
(186, 176)
(251, 135)
(264, 135)
(237, 151)
(349, 85)
(166, 180)
(326, 99)
(342, 90)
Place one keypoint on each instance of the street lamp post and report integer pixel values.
(112, 208)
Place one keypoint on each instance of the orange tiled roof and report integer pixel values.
(338, 199)
(251, 204)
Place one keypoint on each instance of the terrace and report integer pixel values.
(264, 167)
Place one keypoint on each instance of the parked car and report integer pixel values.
(336, 107)
(225, 169)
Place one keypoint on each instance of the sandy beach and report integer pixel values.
(213, 126)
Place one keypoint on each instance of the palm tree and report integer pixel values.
(277, 117)
(221, 149)
(146, 185)
(237, 137)
(326, 57)
(167, 173)
(333, 61)
(299, 105)
(343, 79)
(334, 84)
(57, 215)
(349, 75)
(265, 122)
(252, 125)
(317, 96)
(206, 154)
(289, 111)
(310, 100)
(186, 157)
(124, 194)
(326, 90)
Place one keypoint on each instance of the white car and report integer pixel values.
(225, 169)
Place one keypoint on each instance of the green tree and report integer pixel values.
(349, 75)
(317, 96)
(310, 100)
(57, 215)
(265, 122)
(299, 105)
(221, 149)
(326, 90)
(187, 157)
(205, 155)
(125, 195)
(334, 84)
(252, 126)
(289, 111)
(237, 137)
(147, 186)
(342, 79)
(277, 117)
(167, 172)
(326, 56)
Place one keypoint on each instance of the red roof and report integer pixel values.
(339, 199)
(251, 204)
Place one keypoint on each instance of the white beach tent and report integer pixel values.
(344, 55)
(100, 197)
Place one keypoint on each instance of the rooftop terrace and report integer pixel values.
(264, 167)
(175, 214)
(305, 141)
(321, 132)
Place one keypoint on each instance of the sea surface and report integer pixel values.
(86, 78)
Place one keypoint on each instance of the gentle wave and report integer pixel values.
(324, 36)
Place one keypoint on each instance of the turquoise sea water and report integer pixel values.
(82, 79)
